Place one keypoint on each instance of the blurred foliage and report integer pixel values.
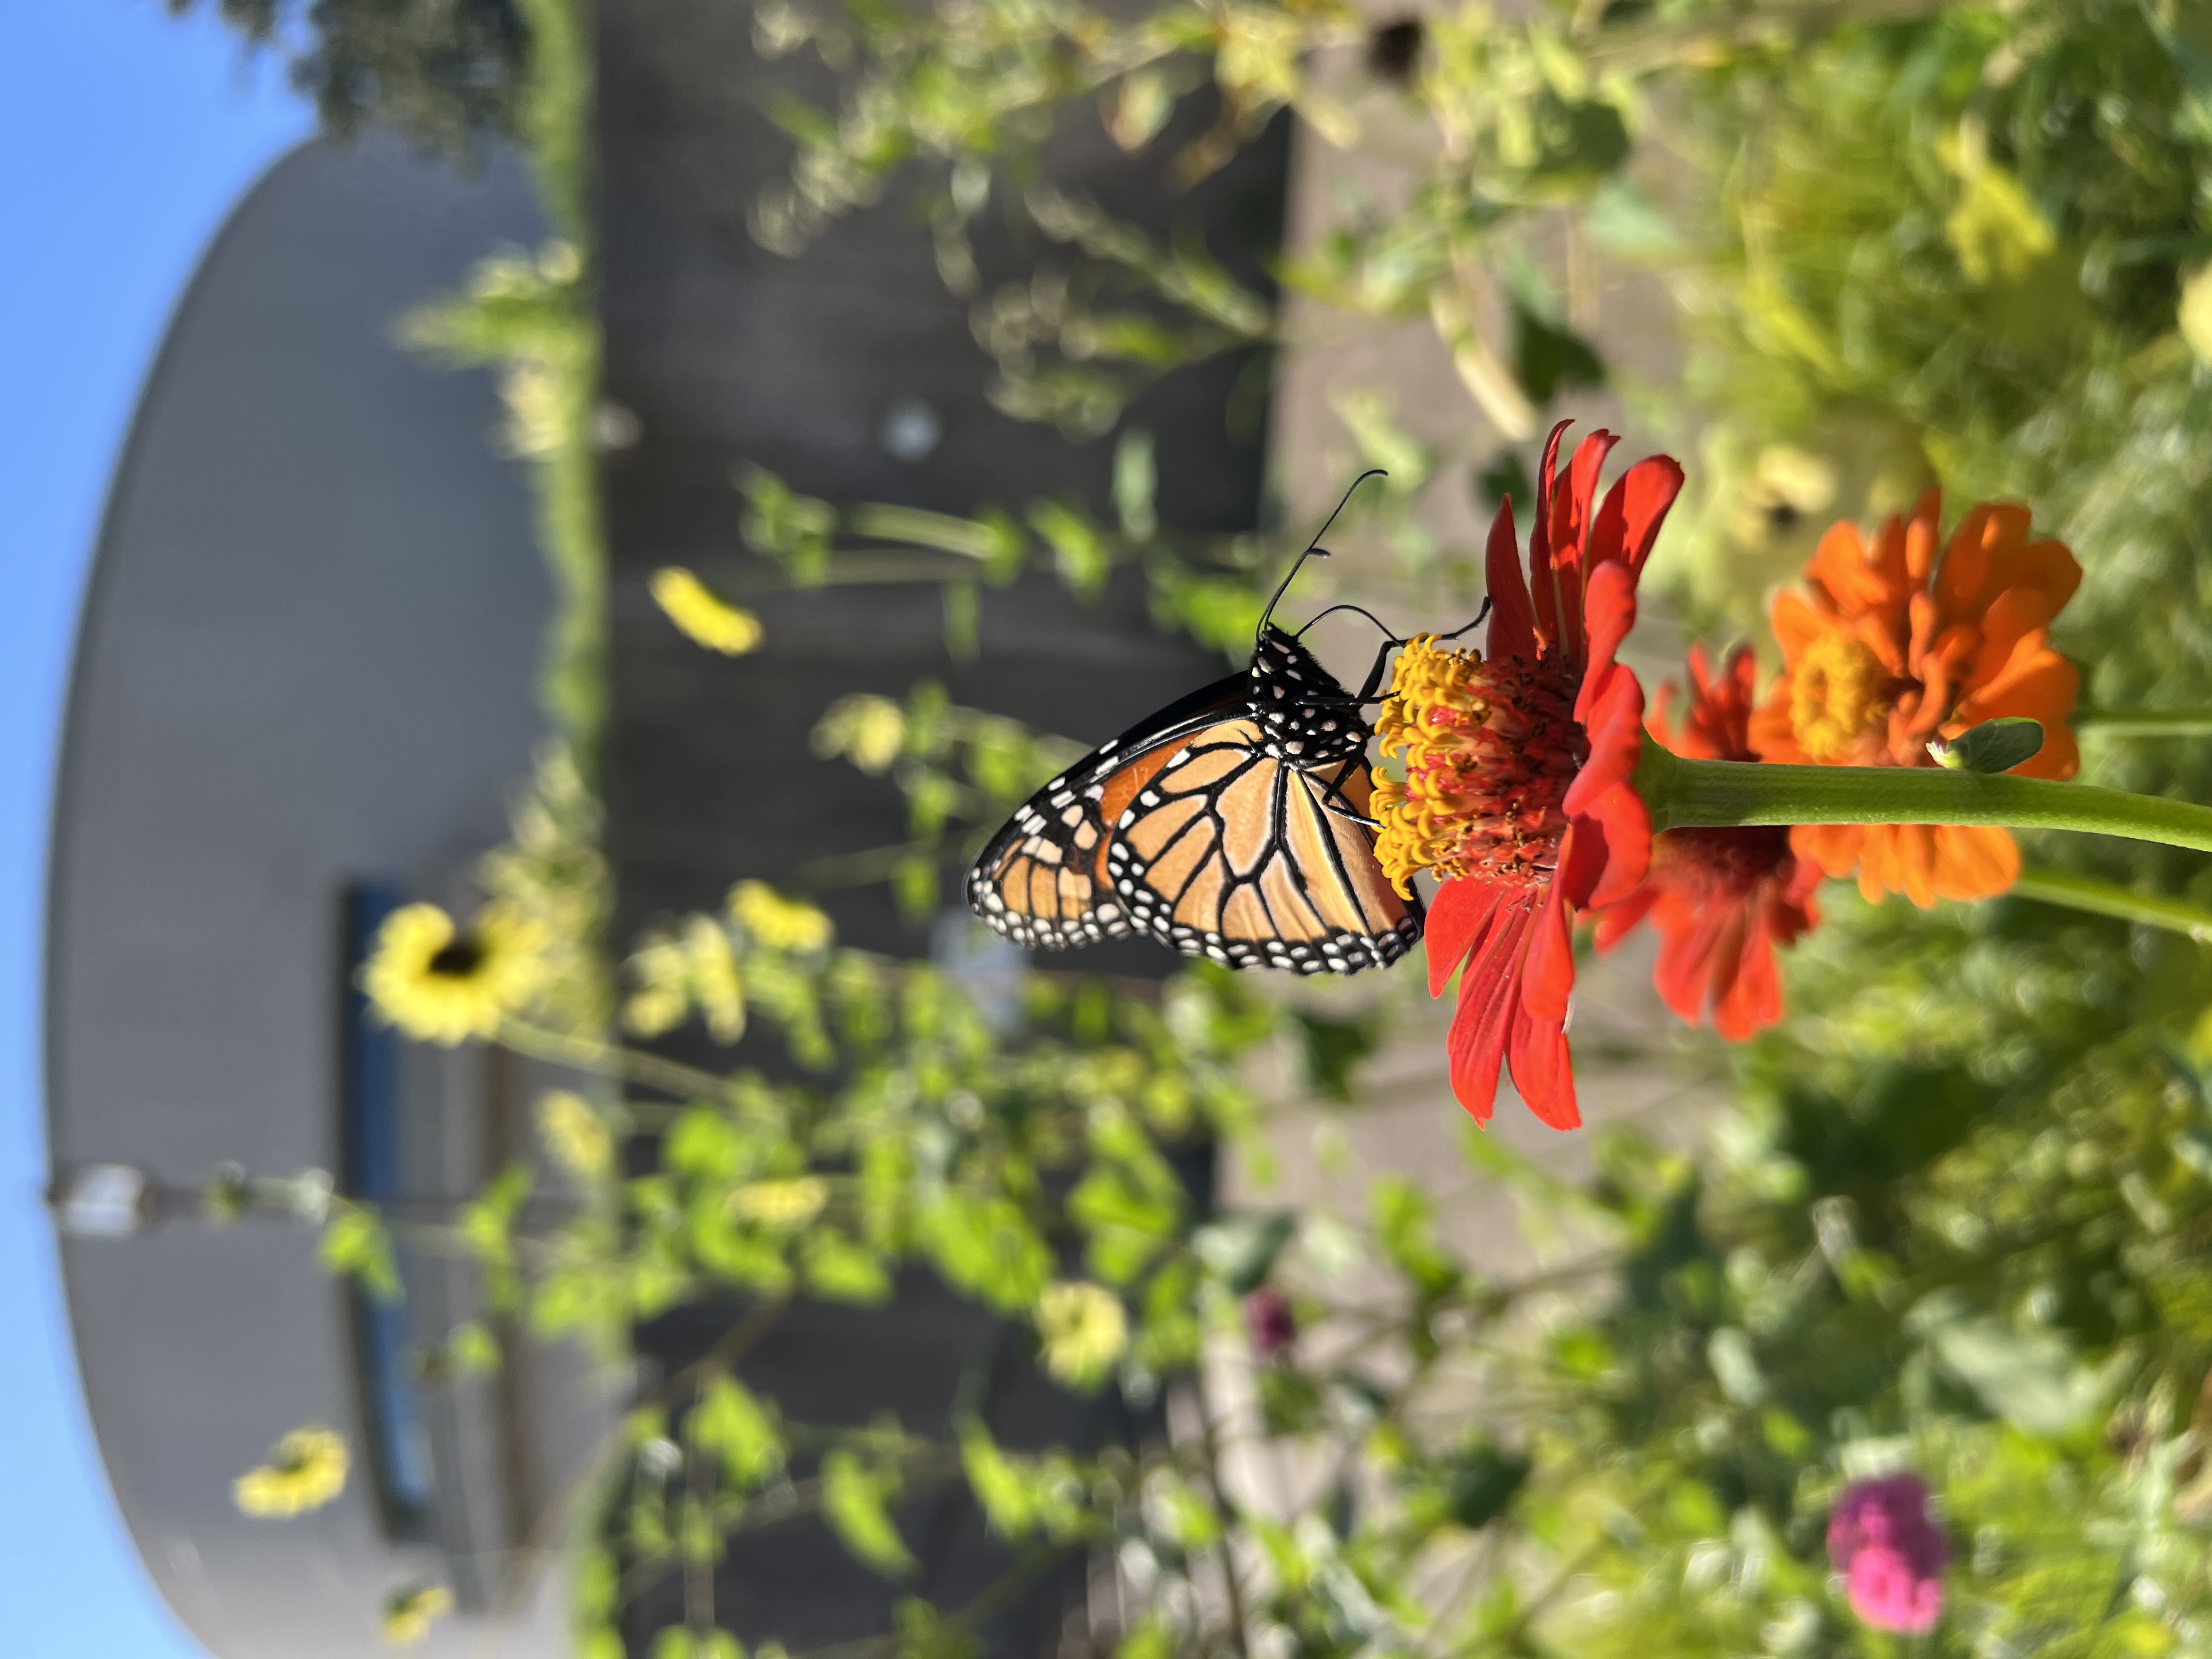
(963, 773)
(448, 74)
(531, 317)
(1204, 587)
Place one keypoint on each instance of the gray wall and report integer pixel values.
(308, 654)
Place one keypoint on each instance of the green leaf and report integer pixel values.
(1080, 552)
(856, 1500)
(2029, 1378)
(1135, 481)
(844, 1270)
(986, 1248)
(1548, 357)
(1480, 1482)
(356, 1246)
(1331, 1048)
(730, 1424)
(1404, 1228)
(704, 1142)
(1996, 745)
(924, 1633)
(1240, 1250)
(962, 620)
(1579, 141)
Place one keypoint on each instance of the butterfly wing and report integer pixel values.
(1044, 880)
(1228, 852)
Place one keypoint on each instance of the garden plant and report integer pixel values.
(1902, 1341)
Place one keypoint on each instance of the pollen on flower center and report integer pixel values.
(1491, 749)
(1840, 692)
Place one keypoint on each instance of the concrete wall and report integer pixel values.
(309, 655)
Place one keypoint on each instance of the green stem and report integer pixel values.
(2102, 898)
(2145, 723)
(1685, 794)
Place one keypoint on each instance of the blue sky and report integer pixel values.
(125, 138)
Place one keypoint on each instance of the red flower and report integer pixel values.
(1721, 900)
(1517, 789)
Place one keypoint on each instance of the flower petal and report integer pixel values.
(1616, 921)
(1635, 507)
(1614, 727)
(1547, 976)
(1689, 934)
(1619, 823)
(1512, 623)
(1753, 1000)
(1550, 522)
(1457, 916)
(1543, 1069)
(1971, 860)
(1488, 995)
(1571, 549)
(1610, 610)
(1797, 624)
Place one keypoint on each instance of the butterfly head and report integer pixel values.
(1309, 719)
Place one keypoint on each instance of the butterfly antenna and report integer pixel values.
(1362, 610)
(1313, 548)
(1477, 622)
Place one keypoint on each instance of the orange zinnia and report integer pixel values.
(1892, 648)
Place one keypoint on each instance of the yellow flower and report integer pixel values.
(578, 1139)
(1085, 1332)
(703, 618)
(676, 972)
(777, 922)
(785, 1205)
(441, 985)
(306, 1469)
(714, 982)
(868, 731)
(408, 1613)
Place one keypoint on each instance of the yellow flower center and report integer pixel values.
(1839, 692)
(1490, 749)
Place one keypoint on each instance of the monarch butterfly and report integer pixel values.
(1232, 824)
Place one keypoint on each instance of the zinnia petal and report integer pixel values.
(1457, 916)
(1489, 992)
(1890, 647)
(1512, 623)
(1543, 1070)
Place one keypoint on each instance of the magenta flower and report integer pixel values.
(1268, 1318)
(1890, 1552)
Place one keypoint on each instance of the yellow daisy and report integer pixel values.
(1084, 1331)
(440, 984)
(306, 1469)
(777, 922)
(408, 1613)
(703, 618)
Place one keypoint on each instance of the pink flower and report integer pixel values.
(1267, 1316)
(1890, 1554)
